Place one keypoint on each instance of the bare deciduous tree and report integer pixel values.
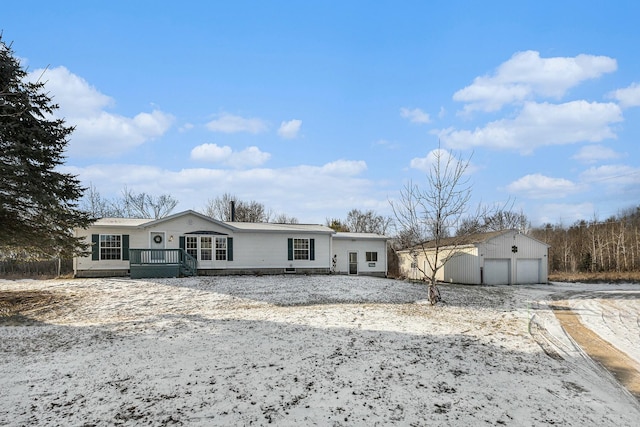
(367, 222)
(495, 221)
(220, 209)
(428, 216)
(129, 205)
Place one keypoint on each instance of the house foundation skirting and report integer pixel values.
(260, 271)
(101, 273)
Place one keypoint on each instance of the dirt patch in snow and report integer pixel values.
(617, 362)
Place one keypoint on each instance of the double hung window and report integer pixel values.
(192, 246)
(110, 246)
(221, 248)
(205, 248)
(300, 248)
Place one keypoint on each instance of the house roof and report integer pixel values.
(268, 226)
(120, 222)
(370, 236)
(234, 226)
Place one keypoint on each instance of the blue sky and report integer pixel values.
(316, 108)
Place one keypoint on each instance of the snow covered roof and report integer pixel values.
(359, 236)
(121, 222)
(268, 226)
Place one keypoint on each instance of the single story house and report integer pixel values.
(505, 257)
(189, 243)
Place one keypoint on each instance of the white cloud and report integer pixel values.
(612, 176)
(538, 186)
(526, 75)
(344, 167)
(249, 157)
(229, 123)
(541, 125)
(425, 164)
(310, 193)
(97, 132)
(563, 213)
(186, 127)
(628, 96)
(415, 116)
(595, 153)
(290, 129)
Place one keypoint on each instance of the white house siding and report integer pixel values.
(118, 267)
(269, 250)
(346, 243)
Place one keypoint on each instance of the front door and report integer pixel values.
(353, 262)
(157, 242)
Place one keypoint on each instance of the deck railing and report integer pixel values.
(161, 258)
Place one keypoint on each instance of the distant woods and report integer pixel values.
(594, 246)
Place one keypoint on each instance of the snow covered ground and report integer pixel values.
(306, 350)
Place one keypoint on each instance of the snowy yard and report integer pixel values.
(306, 350)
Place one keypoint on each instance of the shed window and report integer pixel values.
(110, 246)
(372, 256)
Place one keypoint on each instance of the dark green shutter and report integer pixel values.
(312, 249)
(181, 242)
(125, 247)
(95, 247)
(290, 249)
(229, 248)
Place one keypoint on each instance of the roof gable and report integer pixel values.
(156, 222)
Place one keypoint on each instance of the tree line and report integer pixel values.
(592, 246)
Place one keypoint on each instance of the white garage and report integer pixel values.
(505, 257)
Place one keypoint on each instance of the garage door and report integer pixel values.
(528, 271)
(496, 271)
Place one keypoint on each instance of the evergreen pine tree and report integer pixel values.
(38, 203)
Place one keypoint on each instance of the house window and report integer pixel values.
(110, 246)
(205, 248)
(372, 256)
(221, 248)
(192, 246)
(300, 248)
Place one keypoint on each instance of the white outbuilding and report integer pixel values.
(506, 257)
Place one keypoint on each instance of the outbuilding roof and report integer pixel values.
(467, 240)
